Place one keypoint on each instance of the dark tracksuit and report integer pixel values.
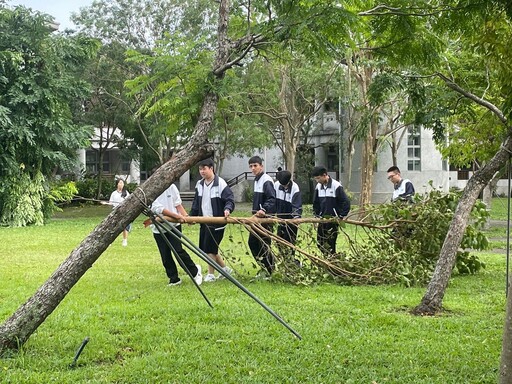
(221, 198)
(265, 199)
(404, 191)
(288, 206)
(329, 200)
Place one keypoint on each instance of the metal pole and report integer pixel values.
(507, 283)
(203, 256)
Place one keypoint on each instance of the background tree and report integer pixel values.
(148, 31)
(234, 133)
(108, 110)
(286, 93)
(141, 24)
(480, 30)
(230, 51)
(39, 87)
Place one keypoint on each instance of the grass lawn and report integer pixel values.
(499, 208)
(142, 331)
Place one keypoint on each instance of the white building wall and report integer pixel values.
(431, 170)
(134, 176)
(234, 166)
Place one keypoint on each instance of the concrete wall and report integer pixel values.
(234, 166)
(431, 170)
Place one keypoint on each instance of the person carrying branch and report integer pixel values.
(329, 200)
(263, 204)
(169, 204)
(288, 206)
(212, 198)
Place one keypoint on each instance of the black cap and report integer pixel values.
(284, 177)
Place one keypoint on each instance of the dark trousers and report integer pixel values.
(260, 249)
(326, 237)
(166, 255)
(287, 232)
(210, 238)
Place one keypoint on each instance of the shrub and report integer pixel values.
(402, 245)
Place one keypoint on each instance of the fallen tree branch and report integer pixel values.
(274, 220)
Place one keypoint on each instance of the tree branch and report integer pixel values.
(484, 103)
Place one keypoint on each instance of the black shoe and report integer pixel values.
(174, 282)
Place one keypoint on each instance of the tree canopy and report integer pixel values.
(40, 87)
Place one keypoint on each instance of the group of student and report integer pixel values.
(280, 198)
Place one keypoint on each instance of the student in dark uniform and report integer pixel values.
(263, 204)
(329, 200)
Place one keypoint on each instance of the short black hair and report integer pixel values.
(256, 160)
(284, 177)
(319, 170)
(394, 168)
(206, 163)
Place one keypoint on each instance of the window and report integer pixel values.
(91, 162)
(413, 149)
(106, 162)
(332, 157)
(125, 166)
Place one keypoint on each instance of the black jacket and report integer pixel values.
(330, 200)
(221, 197)
(264, 194)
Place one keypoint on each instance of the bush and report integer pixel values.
(60, 193)
(401, 244)
(419, 231)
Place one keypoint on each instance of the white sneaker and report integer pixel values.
(209, 278)
(226, 269)
(125, 242)
(199, 276)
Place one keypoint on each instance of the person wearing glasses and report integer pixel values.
(404, 190)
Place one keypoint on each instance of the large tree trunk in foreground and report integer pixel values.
(16, 330)
(433, 299)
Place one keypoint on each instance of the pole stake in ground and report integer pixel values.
(163, 224)
(78, 352)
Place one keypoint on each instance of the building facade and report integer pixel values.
(112, 162)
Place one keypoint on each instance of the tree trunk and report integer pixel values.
(349, 161)
(433, 298)
(367, 162)
(16, 330)
(100, 173)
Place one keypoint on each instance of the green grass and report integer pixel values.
(142, 331)
(499, 208)
(497, 233)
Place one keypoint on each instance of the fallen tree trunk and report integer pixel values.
(271, 220)
(16, 330)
